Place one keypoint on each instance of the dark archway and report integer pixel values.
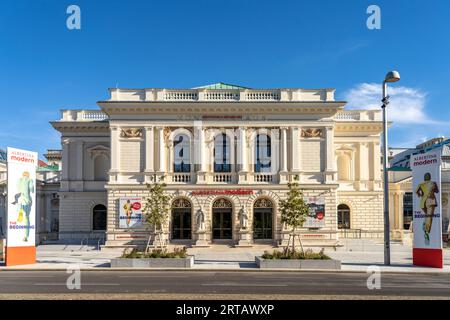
(99, 218)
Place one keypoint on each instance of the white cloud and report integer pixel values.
(407, 105)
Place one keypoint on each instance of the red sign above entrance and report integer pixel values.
(238, 192)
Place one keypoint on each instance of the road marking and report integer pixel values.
(84, 284)
(24, 277)
(154, 276)
(243, 285)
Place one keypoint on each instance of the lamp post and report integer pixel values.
(392, 76)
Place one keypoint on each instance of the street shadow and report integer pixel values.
(248, 265)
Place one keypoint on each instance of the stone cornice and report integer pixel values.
(132, 107)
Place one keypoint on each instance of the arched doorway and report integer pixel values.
(222, 212)
(181, 219)
(343, 216)
(99, 218)
(262, 219)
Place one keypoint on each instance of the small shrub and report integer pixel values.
(156, 253)
(307, 255)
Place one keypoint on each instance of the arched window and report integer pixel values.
(343, 164)
(181, 219)
(182, 154)
(343, 216)
(101, 168)
(263, 153)
(222, 153)
(99, 217)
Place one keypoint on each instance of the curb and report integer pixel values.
(226, 270)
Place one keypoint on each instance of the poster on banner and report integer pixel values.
(427, 218)
(21, 221)
(130, 213)
(316, 215)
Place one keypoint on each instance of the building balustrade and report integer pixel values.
(181, 177)
(263, 177)
(222, 177)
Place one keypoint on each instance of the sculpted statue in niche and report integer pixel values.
(311, 133)
(131, 133)
(200, 220)
(243, 218)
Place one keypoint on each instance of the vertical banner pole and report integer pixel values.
(427, 207)
(21, 221)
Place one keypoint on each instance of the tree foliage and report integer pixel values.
(156, 206)
(294, 209)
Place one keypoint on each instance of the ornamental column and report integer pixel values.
(115, 154)
(199, 152)
(162, 151)
(149, 153)
(330, 168)
(284, 156)
(295, 150)
(242, 155)
(65, 165)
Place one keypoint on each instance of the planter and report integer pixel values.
(153, 263)
(297, 264)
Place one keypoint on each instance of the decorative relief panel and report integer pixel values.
(312, 133)
(131, 133)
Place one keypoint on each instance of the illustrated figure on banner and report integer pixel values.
(23, 201)
(426, 190)
(200, 220)
(128, 207)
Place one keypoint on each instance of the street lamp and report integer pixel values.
(392, 76)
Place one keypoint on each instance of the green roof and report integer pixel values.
(54, 167)
(399, 169)
(221, 86)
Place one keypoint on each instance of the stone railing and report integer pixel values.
(179, 177)
(49, 176)
(221, 95)
(222, 177)
(238, 95)
(83, 115)
(358, 115)
(263, 177)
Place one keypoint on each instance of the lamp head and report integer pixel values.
(392, 76)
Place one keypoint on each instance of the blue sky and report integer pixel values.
(44, 67)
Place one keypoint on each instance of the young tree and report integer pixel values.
(155, 210)
(294, 211)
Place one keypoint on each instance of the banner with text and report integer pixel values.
(21, 221)
(427, 218)
(130, 213)
(316, 215)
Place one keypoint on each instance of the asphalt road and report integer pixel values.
(209, 282)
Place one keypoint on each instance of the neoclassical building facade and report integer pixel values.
(224, 152)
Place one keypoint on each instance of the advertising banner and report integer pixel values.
(130, 213)
(21, 221)
(427, 217)
(316, 216)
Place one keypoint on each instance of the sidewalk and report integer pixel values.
(221, 257)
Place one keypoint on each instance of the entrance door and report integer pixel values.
(222, 219)
(181, 219)
(262, 224)
(262, 219)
